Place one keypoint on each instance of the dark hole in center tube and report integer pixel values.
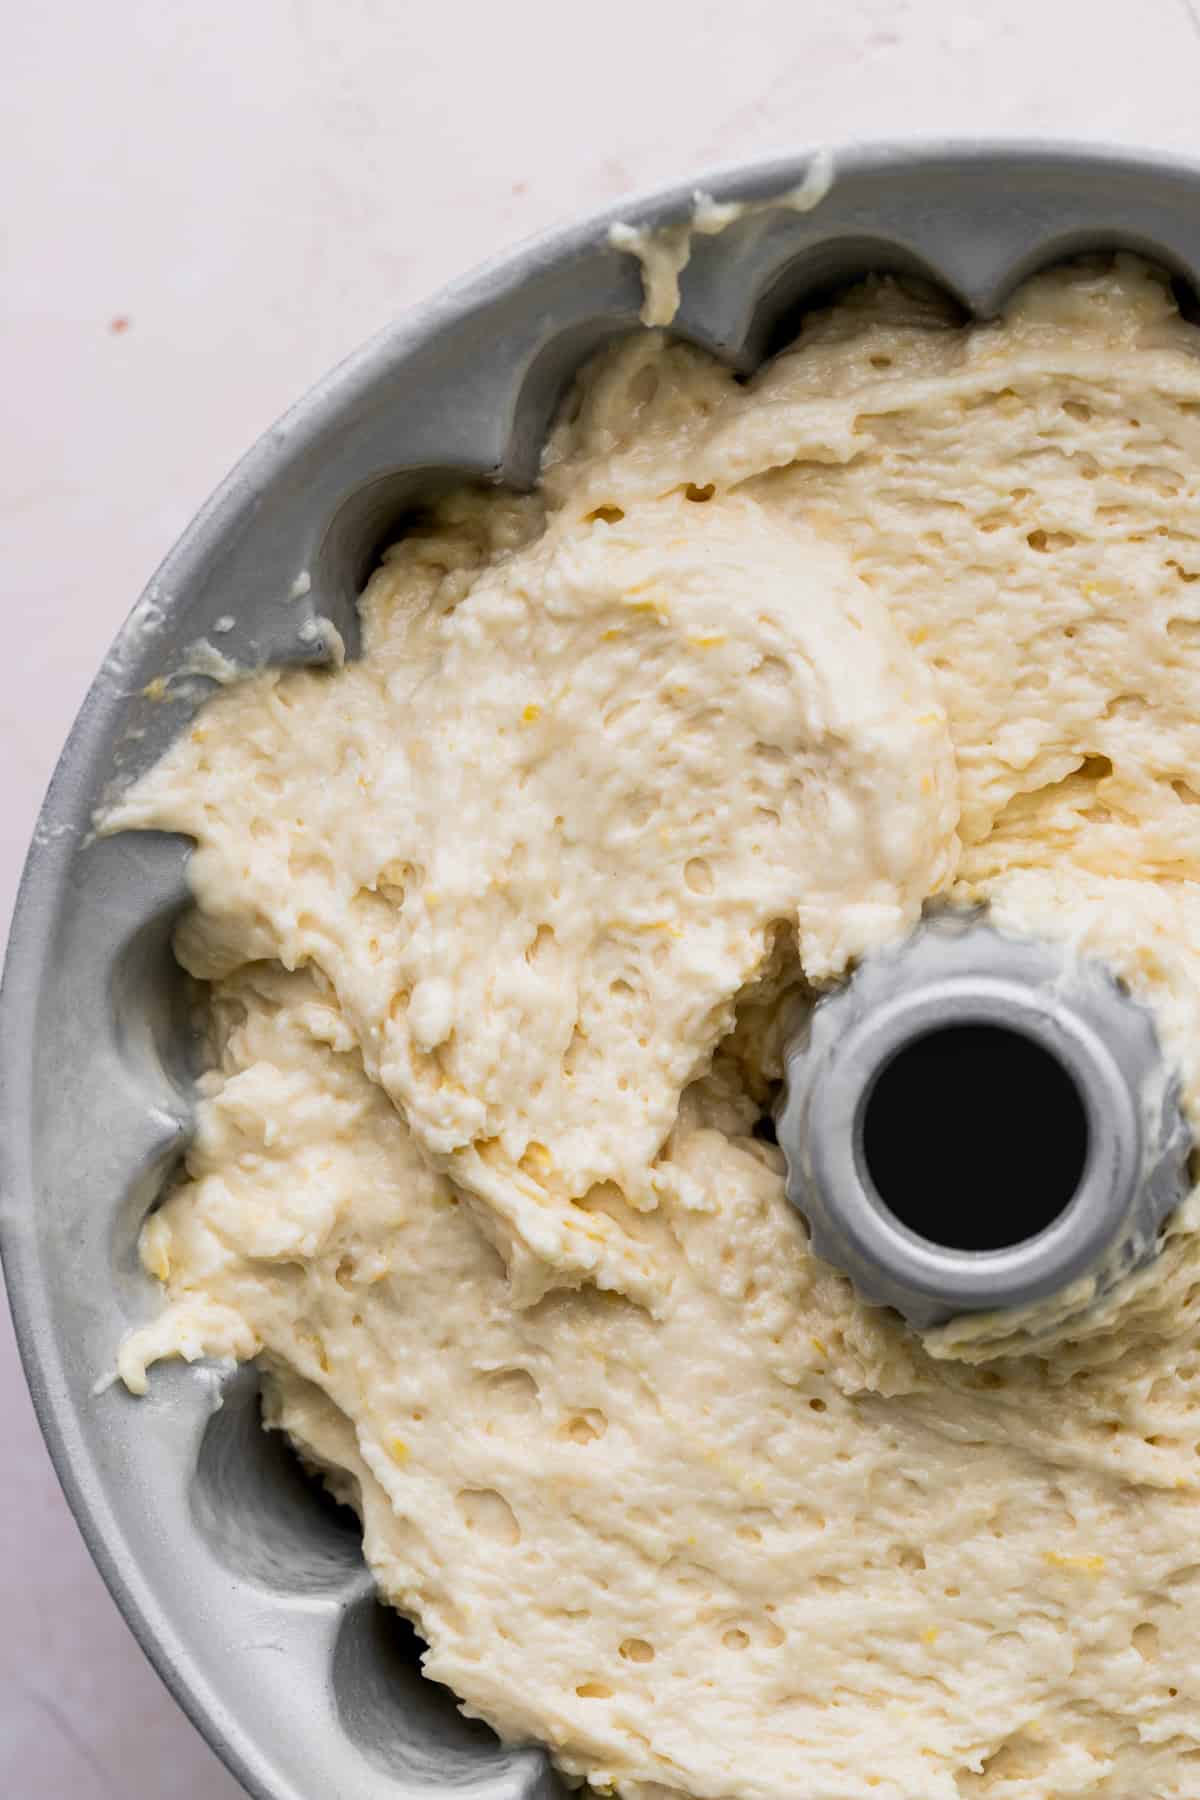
(974, 1137)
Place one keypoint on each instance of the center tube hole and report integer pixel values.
(974, 1137)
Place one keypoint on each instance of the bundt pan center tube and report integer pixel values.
(975, 1122)
(246, 1590)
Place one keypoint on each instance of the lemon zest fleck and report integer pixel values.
(1086, 1565)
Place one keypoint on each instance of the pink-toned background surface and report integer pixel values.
(204, 208)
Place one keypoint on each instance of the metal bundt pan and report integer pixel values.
(247, 1591)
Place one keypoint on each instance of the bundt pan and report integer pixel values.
(246, 1588)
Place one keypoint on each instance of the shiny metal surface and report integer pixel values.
(245, 1589)
(957, 971)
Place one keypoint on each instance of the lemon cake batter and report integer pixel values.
(506, 923)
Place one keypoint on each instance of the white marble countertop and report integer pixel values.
(208, 206)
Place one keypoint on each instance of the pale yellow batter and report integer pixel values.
(507, 922)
